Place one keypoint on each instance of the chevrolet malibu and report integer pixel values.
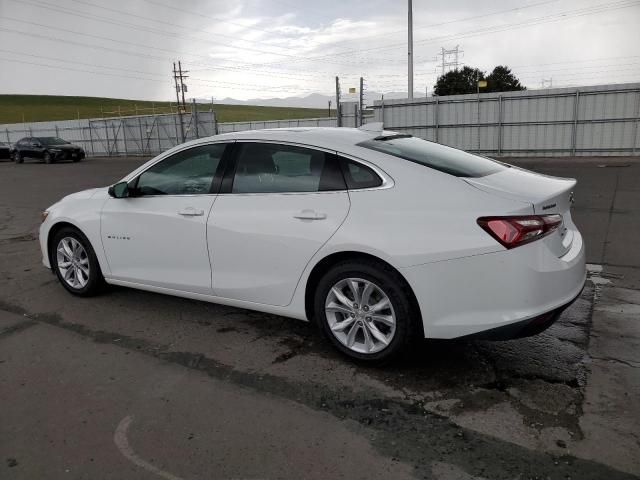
(379, 237)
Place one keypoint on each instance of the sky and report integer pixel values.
(279, 48)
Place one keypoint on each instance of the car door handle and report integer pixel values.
(310, 215)
(191, 212)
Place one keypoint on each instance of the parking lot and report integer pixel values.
(132, 384)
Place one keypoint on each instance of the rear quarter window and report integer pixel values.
(357, 175)
(433, 155)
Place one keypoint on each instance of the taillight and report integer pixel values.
(515, 231)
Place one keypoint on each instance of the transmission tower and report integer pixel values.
(546, 83)
(450, 58)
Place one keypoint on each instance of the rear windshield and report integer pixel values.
(439, 157)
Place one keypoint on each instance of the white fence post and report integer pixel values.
(499, 124)
(574, 131)
(635, 126)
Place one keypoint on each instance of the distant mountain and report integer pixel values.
(314, 100)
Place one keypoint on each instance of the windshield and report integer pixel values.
(52, 141)
(439, 157)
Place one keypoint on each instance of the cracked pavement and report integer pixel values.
(211, 391)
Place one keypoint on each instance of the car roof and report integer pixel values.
(326, 137)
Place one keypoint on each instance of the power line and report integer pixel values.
(245, 66)
(449, 22)
(126, 52)
(118, 75)
(492, 29)
(138, 27)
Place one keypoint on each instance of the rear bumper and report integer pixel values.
(509, 293)
(524, 328)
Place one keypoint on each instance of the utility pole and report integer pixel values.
(479, 84)
(183, 86)
(410, 41)
(361, 99)
(338, 109)
(175, 81)
(478, 105)
(177, 74)
(329, 108)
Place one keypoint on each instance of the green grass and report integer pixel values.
(39, 108)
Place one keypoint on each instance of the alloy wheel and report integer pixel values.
(360, 315)
(73, 262)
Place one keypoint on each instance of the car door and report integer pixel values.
(36, 148)
(157, 236)
(278, 205)
(25, 147)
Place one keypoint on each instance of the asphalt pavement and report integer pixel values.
(132, 384)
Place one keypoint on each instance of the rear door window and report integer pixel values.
(274, 168)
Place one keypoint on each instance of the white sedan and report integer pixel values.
(379, 237)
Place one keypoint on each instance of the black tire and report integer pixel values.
(17, 157)
(76, 160)
(395, 288)
(47, 157)
(95, 281)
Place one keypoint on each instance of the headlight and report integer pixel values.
(44, 215)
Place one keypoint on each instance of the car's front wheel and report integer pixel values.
(365, 310)
(17, 157)
(75, 263)
(47, 157)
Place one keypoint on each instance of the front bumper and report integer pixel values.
(69, 155)
(43, 235)
(528, 285)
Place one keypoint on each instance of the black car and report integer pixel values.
(49, 149)
(5, 150)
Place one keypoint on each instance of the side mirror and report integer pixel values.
(119, 190)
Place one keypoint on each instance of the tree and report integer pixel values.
(464, 81)
(458, 82)
(502, 80)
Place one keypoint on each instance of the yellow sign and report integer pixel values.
(482, 83)
(352, 90)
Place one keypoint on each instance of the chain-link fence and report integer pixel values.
(153, 134)
(135, 135)
(600, 120)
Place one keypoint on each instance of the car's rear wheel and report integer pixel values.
(75, 263)
(47, 157)
(17, 157)
(365, 310)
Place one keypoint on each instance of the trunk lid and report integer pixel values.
(546, 194)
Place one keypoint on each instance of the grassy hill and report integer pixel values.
(38, 108)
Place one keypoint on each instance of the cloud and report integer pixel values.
(256, 48)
